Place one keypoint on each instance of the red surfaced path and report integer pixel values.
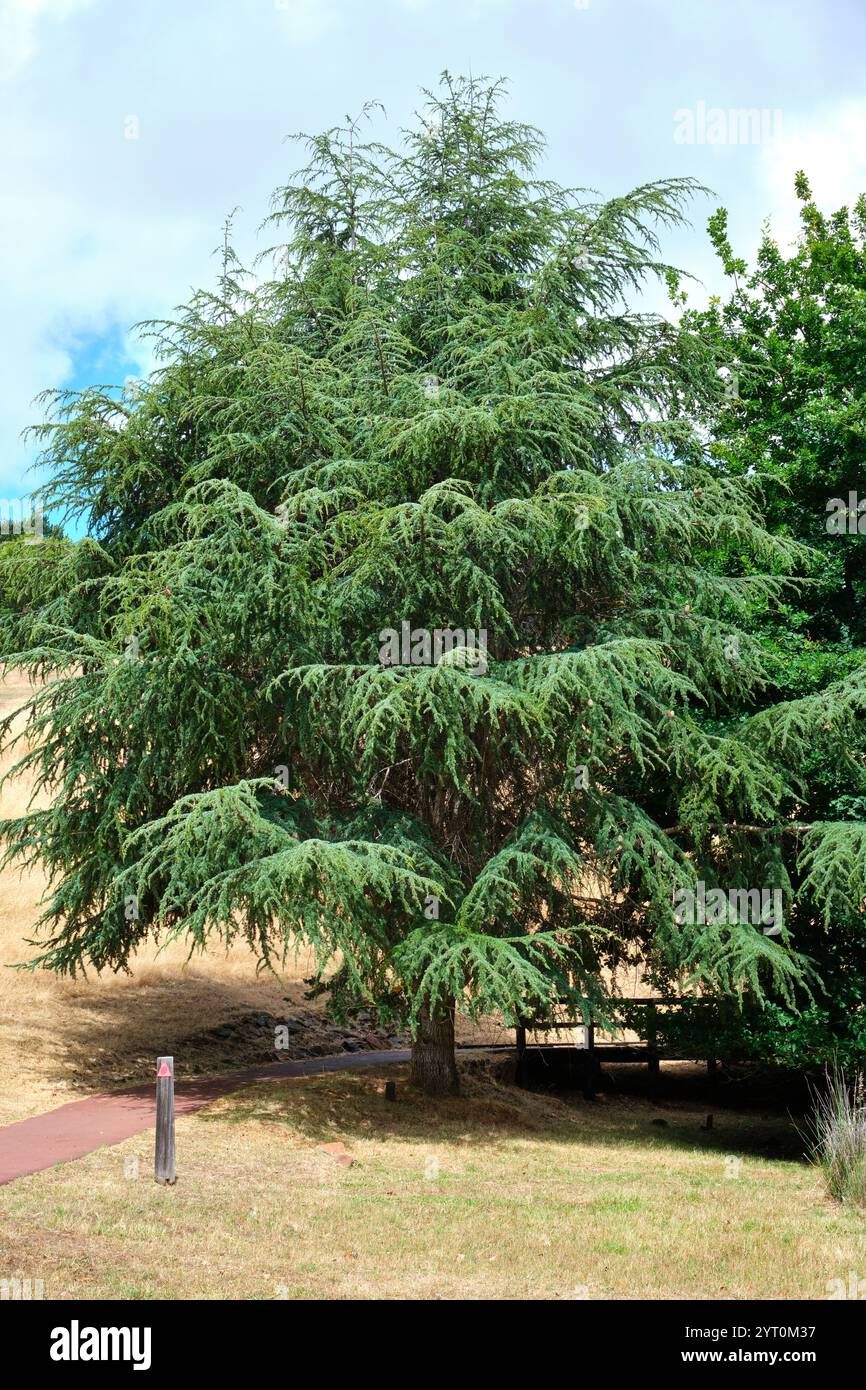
(84, 1125)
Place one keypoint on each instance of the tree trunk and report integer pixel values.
(434, 1067)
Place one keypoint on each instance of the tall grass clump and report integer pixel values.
(836, 1132)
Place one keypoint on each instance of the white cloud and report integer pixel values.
(20, 25)
(78, 274)
(829, 145)
(98, 230)
(305, 20)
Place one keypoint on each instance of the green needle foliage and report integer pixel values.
(435, 408)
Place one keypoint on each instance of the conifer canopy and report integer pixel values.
(432, 405)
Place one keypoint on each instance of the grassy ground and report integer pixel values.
(500, 1194)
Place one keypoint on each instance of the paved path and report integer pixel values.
(84, 1125)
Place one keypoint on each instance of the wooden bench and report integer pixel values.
(595, 1052)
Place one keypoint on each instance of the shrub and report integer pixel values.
(837, 1135)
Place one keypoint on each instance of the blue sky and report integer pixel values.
(98, 230)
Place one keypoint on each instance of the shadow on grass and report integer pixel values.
(112, 1038)
(353, 1106)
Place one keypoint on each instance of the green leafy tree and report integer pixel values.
(437, 414)
(793, 333)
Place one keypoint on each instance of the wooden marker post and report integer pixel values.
(164, 1169)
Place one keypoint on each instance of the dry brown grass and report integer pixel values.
(534, 1198)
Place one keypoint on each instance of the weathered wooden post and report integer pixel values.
(164, 1169)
